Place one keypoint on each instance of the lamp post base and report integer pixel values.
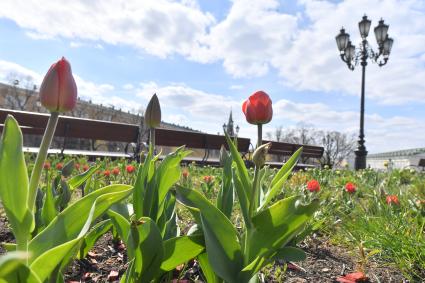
(360, 160)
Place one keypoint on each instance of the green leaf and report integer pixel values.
(287, 167)
(181, 249)
(225, 197)
(275, 226)
(49, 262)
(70, 222)
(78, 180)
(140, 186)
(168, 172)
(9, 247)
(240, 165)
(48, 211)
(14, 183)
(290, 254)
(146, 248)
(14, 270)
(243, 198)
(92, 236)
(120, 223)
(221, 240)
(207, 270)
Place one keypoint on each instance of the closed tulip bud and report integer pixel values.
(58, 91)
(259, 156)
(153, 113)
(258, 108)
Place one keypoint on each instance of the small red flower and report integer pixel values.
(106, 173)
(350, 188)
(130, 168)
(116, 171)
(185, 174)
(85, 167)
(356, 277)
(313, 185)
(77, 166)
(258, 108)
(59, 166)
(392, 200)
(46, 165)
(208, 179)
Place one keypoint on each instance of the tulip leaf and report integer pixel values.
(287, 167)
(14, 192)
(207, 270)
(92, 236)
(280, 178)
(225, 195)
(240, 165)
(48, 211)
(78, 180)
(14, 270)
(168, 171)
(180, 250)
(120, 223)
(221, 240)
(278, 224)
(140, 186)
(243, 198)
(68, 224)
(146, 248)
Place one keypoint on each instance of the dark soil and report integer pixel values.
(106, 262)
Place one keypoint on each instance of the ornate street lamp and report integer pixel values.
(352, 56)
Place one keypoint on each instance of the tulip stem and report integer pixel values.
(152, 139)
(41, 158)
(260, 135)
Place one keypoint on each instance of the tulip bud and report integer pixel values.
(153, 113)
(259, 156)
(258, 108)
(58, 91)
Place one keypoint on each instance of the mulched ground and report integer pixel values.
(106, 262)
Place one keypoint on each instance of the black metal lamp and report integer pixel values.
(353, 56)
(364, 27)
(342, 40)
(381, 32)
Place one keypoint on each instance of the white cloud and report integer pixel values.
(158, 27)
(254, 38)
(10, 71)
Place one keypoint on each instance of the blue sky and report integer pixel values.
(204, 58)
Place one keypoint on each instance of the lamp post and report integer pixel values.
(353, 56)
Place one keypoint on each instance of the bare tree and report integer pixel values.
(337, 147)
(21, 92)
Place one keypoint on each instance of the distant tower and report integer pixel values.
(229, 127)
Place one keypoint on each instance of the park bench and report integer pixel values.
(421, 163)
(71, 127)
(285, 150)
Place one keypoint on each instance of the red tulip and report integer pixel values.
(106, 173)
(258, 108)
(77, 166)
(85, 167)
(313, 185)
(59, 166)
(130, 169)
(208, 179)
(185, 174)
(350, 187)
(58, 91)
(116, 171)
(46, 165)
(392, 200)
